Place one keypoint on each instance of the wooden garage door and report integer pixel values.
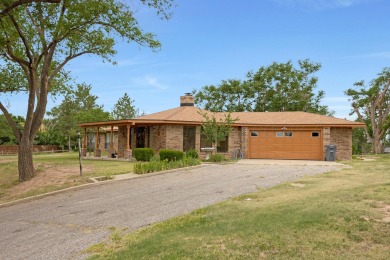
(291, 144)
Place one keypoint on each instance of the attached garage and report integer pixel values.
(306, 144)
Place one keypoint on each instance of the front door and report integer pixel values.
(140, 137)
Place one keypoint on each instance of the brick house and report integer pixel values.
(271, 135)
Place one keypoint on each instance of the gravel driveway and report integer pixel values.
(61, 226)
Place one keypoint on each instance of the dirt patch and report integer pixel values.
(381, 207)
(48, 175)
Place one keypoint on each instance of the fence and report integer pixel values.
(13, 149)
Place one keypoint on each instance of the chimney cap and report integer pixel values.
(188, 94)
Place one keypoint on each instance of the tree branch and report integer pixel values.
(25, 43)
(11, 122)
(9, 8)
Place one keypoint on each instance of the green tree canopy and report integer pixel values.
(78, 106)
(216, 130)
(38, 39)
(278, 87)
(371, 104)
(124, 108)
(6, 134)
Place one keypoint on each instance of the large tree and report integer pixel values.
(38, 39)
(371, 104)
(78, 106)
(124, 108)
(277, 87)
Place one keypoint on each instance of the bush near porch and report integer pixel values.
(156, 164)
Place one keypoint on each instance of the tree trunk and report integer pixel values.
(69, 143)
(25, 160)
(377, 146)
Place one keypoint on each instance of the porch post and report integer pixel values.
(128, 138)
(84, 147)
(128, 152)
(112, 138)
(98, 152)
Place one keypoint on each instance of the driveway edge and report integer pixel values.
(87, 185)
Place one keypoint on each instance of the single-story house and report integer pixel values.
(270, 135)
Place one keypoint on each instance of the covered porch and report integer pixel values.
(116, 138)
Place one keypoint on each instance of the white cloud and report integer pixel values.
(149, 81)
(320, 4)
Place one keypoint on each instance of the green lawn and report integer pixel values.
(338, 215)
(50, 165)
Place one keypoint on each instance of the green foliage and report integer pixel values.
(171, 155)
(124, 108)
(359, 142)
(277, 87)
(371, 104)
(192, 153)
(6, 133)
(216, 130)
(37, 40)
(156, 165)
(78, 106)
(143, 154)
(217, 158)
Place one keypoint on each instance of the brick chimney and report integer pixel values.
(187, 100)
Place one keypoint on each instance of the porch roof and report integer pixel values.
(189, 115)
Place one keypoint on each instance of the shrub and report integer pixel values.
(216, 158)
(155, 165)
(143, 154)
(171, 155)
(192, 153)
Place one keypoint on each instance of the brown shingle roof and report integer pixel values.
(190, 114)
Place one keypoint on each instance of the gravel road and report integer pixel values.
(63, 225)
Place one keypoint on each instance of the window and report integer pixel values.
(189, 135)
(288, 134)
(107, 143)
(203, 141)
(254, 133)
(223, 146)
(279, 134)
(315, 134)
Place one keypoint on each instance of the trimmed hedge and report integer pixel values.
(171, 155)
(143, 154)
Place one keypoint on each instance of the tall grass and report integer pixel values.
(156, 165)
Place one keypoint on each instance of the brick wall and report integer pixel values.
(325, 138)
(244, 142)
(122, 139)
(174, 137)
(158, 138)
(234, 141)
(342, 138)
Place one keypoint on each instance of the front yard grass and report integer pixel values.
(338, 215)
(54, 171)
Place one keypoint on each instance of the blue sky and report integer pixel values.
(207, 41)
